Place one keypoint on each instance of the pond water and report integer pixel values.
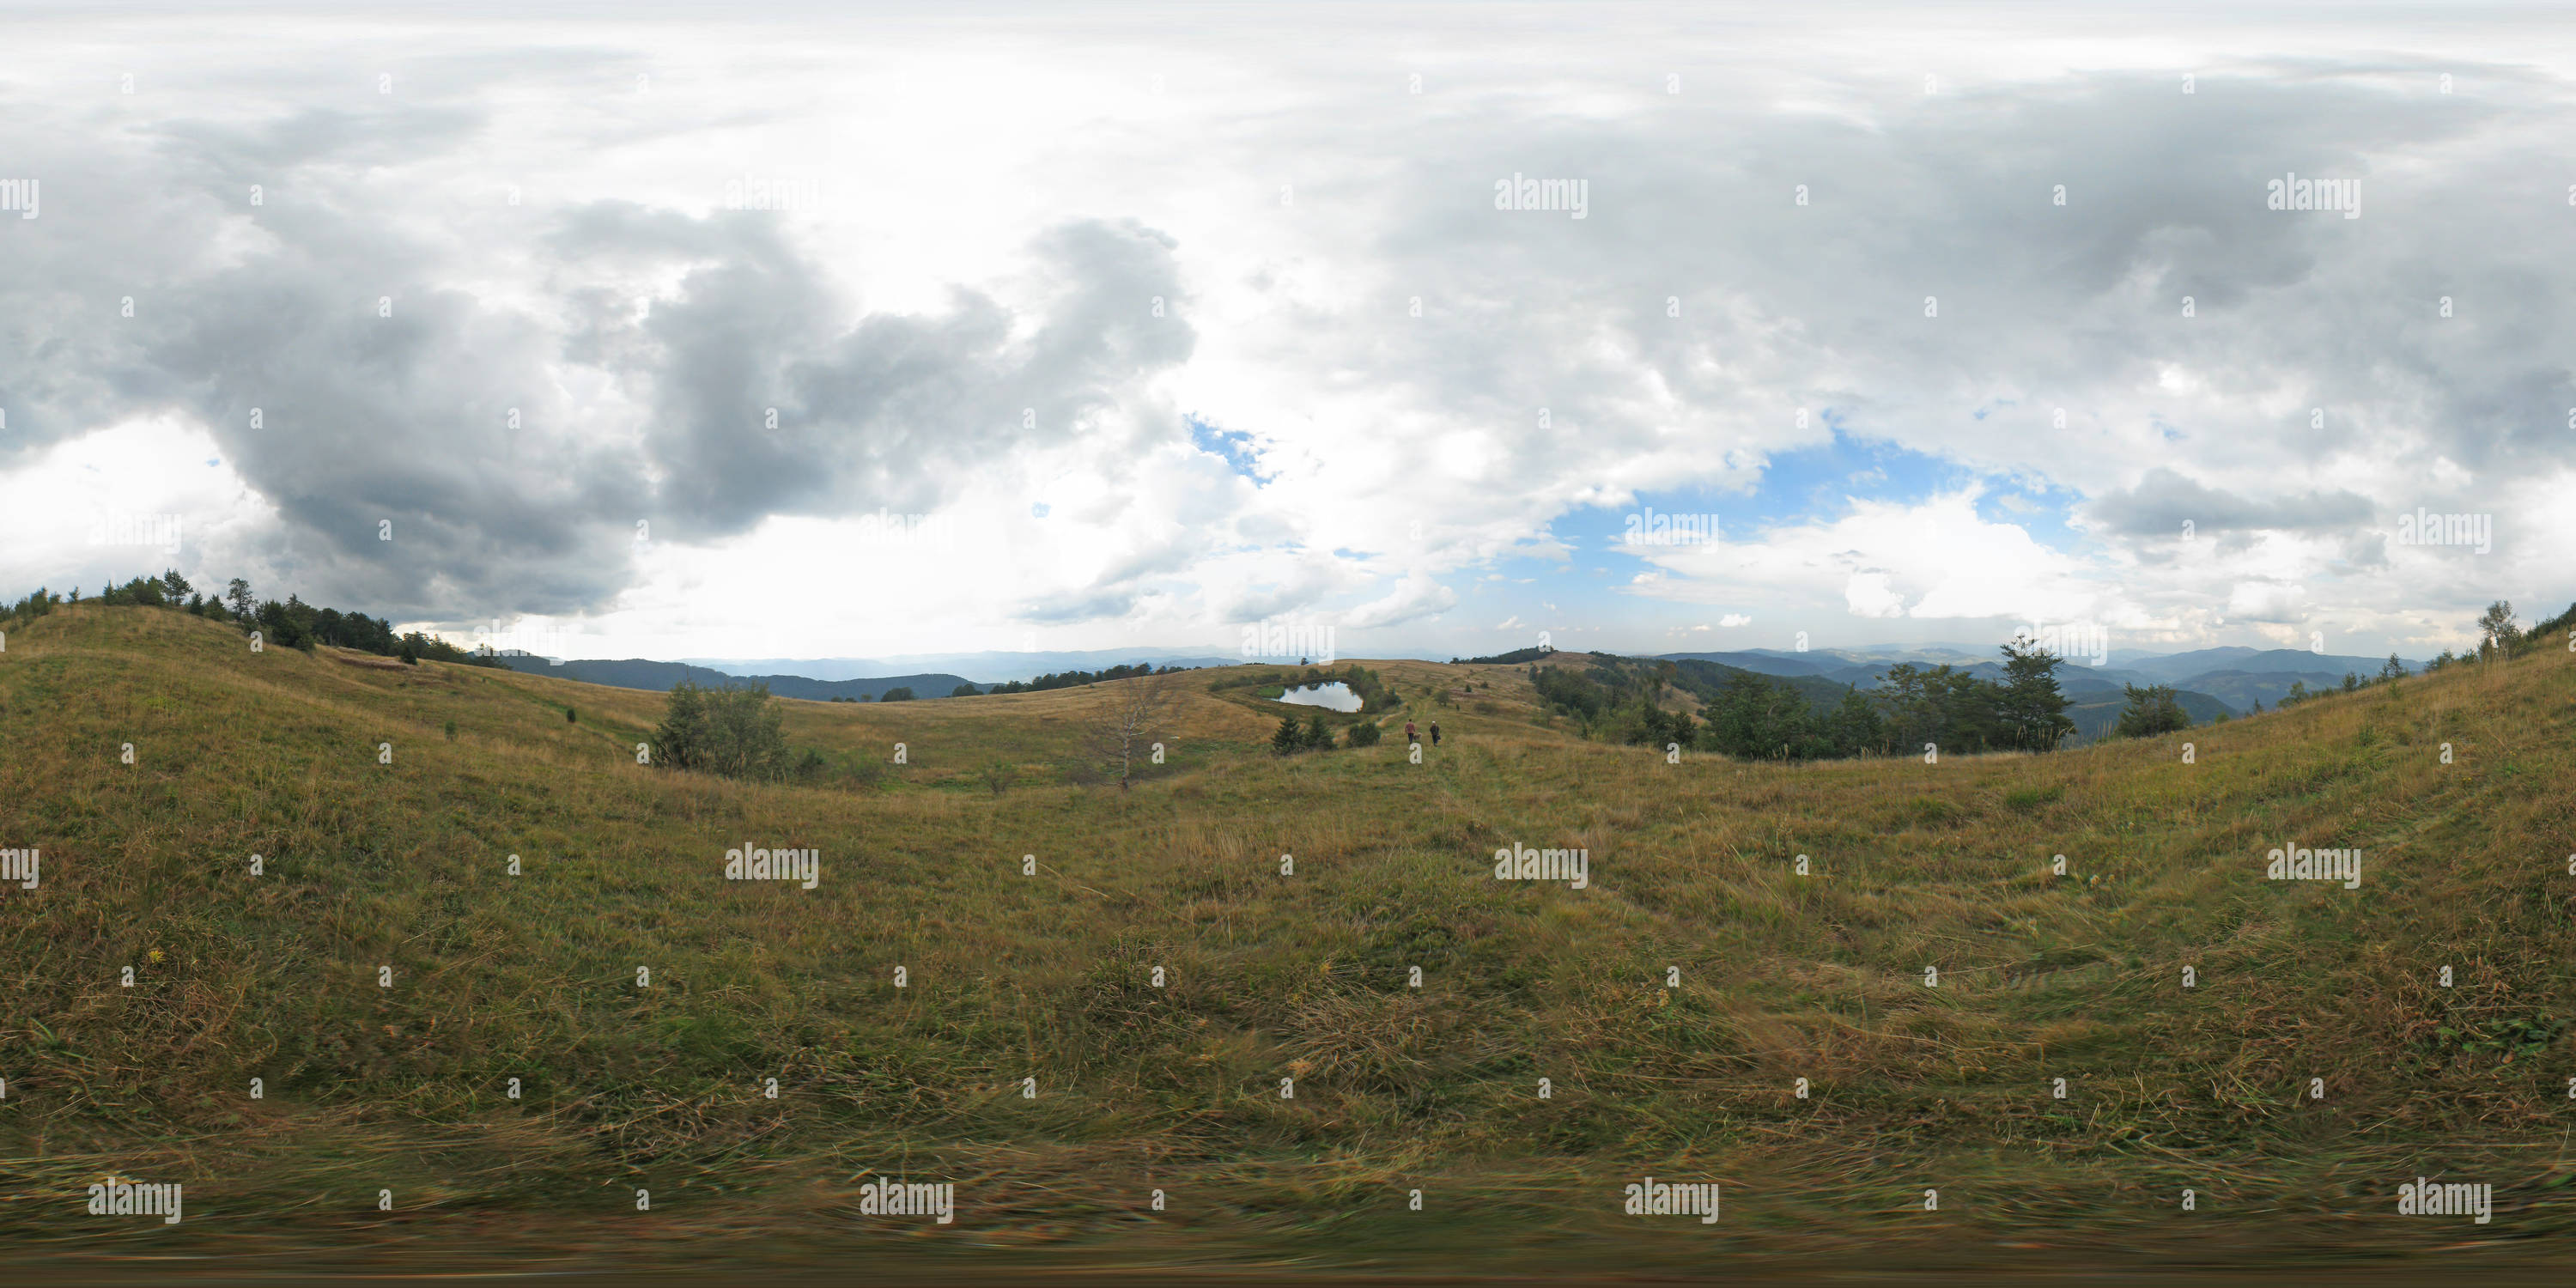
(1335, 696)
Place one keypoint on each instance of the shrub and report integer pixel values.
(733, 732)
(899, 693)
(2153, 710)
(1363, 734)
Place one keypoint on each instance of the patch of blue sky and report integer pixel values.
(1233, 446)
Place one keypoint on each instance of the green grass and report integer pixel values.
(1267, 977)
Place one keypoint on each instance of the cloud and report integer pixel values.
(1415, 597)
(1015, 305)
(2164, 500)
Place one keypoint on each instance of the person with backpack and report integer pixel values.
(1435, 733)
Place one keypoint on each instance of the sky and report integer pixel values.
(831, 331)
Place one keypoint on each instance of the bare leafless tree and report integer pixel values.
(1128, 721)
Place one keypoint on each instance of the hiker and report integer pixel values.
(1409, 735)
(1435, 733)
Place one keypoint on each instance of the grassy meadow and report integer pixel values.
(1306, 976)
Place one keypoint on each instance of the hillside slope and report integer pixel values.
(385, 977)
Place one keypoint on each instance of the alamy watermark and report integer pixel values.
(20, 866)
(2294, 193)
(2067, 641)
(2424, 528)
(543, 641)
(122, 1198)
(1517, 862)
(19, 195)
(747, 864)
(2421, 1197)
(754, 192)
(2294, 863)
(884, 529)
(120, 528)
(1523, 193)
(1659, 1198)
(1282, 639)
(886, 1196)
(1652, 529)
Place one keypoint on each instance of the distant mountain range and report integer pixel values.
(987, 668)
(637, 673)
(2205, 681)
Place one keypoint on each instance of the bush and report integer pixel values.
(1363, 734)
(732, 732)
(2153, 710)
(899, 693)
(966, 690)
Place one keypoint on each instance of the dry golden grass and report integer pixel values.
(1304, 976)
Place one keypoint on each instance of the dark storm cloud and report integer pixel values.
(2163, 501)
(891, 412)
(1951, 196)
(270, 326)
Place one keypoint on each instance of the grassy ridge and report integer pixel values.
(1267, 976)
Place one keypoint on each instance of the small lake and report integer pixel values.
(1335, 696)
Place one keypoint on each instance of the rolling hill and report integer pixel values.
(1204, 987)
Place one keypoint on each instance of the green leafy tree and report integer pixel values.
(966, 690)
(2394, 670)
(1363, 734)
(237, 596)
(899, 693)
(2496, 629)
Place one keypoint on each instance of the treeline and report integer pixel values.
(1068, 679)
(289, 624)
(1762, 717)
(900, 693)
(1754, 716)
(1513, 658)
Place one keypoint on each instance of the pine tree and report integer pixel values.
(2030, 707)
